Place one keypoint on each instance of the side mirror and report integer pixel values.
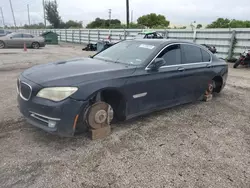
(158, 62)
(10, 37)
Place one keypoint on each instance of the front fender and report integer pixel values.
(87, 90)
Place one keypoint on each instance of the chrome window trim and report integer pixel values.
(21, 91)
(178, 65)
(147, 67)
(43, 116)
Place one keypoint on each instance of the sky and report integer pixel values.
(178, 12)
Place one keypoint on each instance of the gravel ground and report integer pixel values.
(194, 145)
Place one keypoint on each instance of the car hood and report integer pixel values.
(75, 71)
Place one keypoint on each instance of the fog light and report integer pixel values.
(51, 124)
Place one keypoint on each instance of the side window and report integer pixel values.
(205, 56)
(191, 54)
(17, 36)
(27, 36)
(171, 55)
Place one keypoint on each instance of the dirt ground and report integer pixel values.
(194, 145)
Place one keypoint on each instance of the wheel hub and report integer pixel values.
(210, 87)
(1, 44)
(99, 115)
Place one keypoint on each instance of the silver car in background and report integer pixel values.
(17, 40)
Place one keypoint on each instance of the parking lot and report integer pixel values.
(204, 144)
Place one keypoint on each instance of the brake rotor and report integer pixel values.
(99, 115)
(210, 88)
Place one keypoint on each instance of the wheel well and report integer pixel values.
(35, 42)
(117, 101)
(218, 83)
(2, 42)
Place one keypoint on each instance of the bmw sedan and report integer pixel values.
(129, 79)
(17, 40)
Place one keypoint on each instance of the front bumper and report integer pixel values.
(40, 113)
(54, 117)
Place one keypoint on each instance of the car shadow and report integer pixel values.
(82, 139)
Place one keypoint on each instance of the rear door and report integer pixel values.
(197, 72)
(28, 39)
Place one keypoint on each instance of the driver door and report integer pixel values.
(15, 40)
(150, 90)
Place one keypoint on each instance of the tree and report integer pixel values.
(226, 23)
(52, 14)
(71, 24)
(135, 26)
(102, 23)
(153, 20)
(199, 26)
(239, 24)
(219, 23)
(34, 26)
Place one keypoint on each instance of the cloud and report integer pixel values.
(177, 11)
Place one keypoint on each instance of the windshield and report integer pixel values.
(127, 52)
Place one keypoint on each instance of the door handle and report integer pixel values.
(209, 66)
(181, 69)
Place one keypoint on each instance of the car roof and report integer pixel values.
(14, 33)
(147, 32)
(162, 41)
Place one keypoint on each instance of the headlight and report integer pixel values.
(56, 93)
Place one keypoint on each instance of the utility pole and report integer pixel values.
(110, 12)
(131, 16)
(127, 12)
(13, 14)
(2, 17)
(44, 15)
(28, 8)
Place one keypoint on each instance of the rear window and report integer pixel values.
(191, 54)
(27, 36)
(2, 31)
(205, 56)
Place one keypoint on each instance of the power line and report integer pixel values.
(12, 13)
(44, 15)
(2, 16)
(28, 9)
(131, 16)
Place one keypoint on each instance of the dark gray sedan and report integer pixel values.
(129, 79)
(17, 40)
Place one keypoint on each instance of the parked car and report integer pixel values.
(132, 77)
(3, 32)
(17, 40)
(149, 35)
